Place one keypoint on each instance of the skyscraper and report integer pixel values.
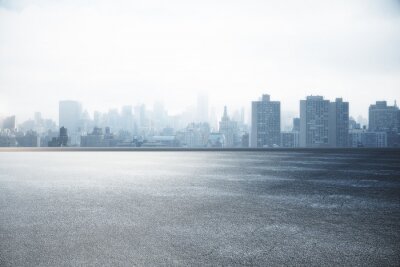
(384, 118)
(314, 122)
(324, 123)
(70, 113)
(265, 123)
(339, 123)
(229, 129)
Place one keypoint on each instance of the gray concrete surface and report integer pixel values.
(200, 208)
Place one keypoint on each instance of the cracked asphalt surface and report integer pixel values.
(200, 208)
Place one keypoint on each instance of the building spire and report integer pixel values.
(225, 116)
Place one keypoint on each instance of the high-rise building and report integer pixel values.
(314, 122)
(384, 118)
(229, 129)
(265, 123)
(324, 123)
(70, 113)
(63, 136)
(339, 123)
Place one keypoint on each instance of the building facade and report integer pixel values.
(364, 138)
(314, 122)
(290, 139)
(265, 123)
(384, 118)
(339, 123)
(229, 129)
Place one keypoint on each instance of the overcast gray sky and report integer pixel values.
(111, 53)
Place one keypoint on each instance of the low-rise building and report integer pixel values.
(364, 138)
(290, 139)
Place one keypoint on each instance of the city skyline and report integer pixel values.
(109, 54)
(321, 123)
(195, 111)
(199, 133)
(287, 112)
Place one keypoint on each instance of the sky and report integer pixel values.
(106, 54)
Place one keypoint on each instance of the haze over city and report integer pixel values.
(199, 133)
(107, 54)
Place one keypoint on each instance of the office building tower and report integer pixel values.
(384, 118)
(229, 129)
(314, 122)
(265, 123)
(338, 123)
